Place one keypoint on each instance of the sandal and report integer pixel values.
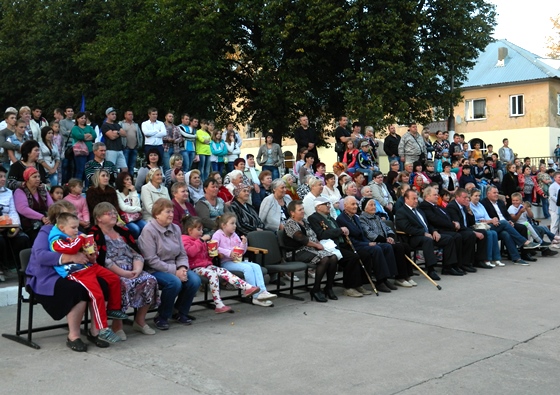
(76, 345)
(96, 340)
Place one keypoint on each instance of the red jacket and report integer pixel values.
(197, 252)
(536, 188)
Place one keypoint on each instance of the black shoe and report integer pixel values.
(459, 270)
(330, 294)
(381, 287)
(469, 269)
(451, 271)
(390, 285)
(484, 265)
(528, 258)
(549, 252)
(318, 296)
(433, 275)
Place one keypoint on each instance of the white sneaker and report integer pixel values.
(498, 263)
(412, 282)
(490, 264)
(311, 273)
(402, 283)
(263, 303)
(265, 295)
(288, 277)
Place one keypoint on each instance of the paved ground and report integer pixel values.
(492, 332)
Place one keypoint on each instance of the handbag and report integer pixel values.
(80, 149)
(330, 246)
(131, 217)
(340, 147)
(481, 226)
(68, 152)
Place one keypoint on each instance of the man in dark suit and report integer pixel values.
(325, 227)
(514, 235)
(459, 212)
(464, 243)
(414, 223)
(382, 255)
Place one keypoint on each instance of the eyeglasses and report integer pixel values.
(111, 213)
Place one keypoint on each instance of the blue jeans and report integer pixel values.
(493, 247)
(229, 167)
(166, 156)
(130, 156)
(66, 170)
(273, 170)
(136, 227)
(53, 179)
(80, 163)
(545, 207)
(218, 166)
(172, 288)
(367, 172)
(511, 238)
(188, 157)
(204, 166)
(252, 273)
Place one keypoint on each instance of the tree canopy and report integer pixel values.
(553, 42)
(262, 62)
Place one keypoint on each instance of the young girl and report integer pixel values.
(129, 208)
(227, 241)
(201, 264)
(57, 193)
(73, 192)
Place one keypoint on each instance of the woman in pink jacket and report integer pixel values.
(201, 263)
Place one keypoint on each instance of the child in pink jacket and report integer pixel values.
(200, 262)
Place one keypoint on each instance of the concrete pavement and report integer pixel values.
(491, 332)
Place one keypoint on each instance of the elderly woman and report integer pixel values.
(166, 259)
(223, 192)
(30, 153)
(377, 231)
(239, 164)
(248, 219)
(299, 236)
(291, 186)
(236, 179)
(381, 192)
(195, 186)
(100, 190)
(129, 207)
(119, 253)
(303, 189)
(274, 208)
(32, 203)
(154, 161)
(331, 192)
(367, 193)
(181, 205)
(265, 179)
(270, 156)
(152, 191)
(315, 189)
(210, 207)
(60, 297)
(529, 186)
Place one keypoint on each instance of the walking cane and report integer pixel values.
(423, 272)
(363, 267)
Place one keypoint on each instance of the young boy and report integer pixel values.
(521, 213)
(65, 238)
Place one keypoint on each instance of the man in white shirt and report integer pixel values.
(553, 203)
(154, 131)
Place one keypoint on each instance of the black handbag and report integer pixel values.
(69, 151)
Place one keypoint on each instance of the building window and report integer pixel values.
(558, 103)
(475, 109)
(516, 107)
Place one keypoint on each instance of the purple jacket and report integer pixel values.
(41, 276)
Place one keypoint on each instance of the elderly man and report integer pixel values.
(326, 227)
(414, 223)
(440, 220)
(383, 257)
(99, 162)
(459, 212)
(412, 147)
(513, 235)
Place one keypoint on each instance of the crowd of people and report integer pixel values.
(113, 242)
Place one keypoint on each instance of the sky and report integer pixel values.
(526, 23)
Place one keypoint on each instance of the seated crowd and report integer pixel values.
(112, 242)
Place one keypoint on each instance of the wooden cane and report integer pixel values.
(362, 264)
(423, 272)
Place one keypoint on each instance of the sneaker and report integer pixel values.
(530, 245)
(223, 309)
(265, 295)
(544, 243)
(498, 263)
(520, 262)
(250, 291)
(182, 319)
(161, 323)
(412, 282)
(116, 315)
(489, 263)
(263, 303)
(146, 330)
(353, 293)
(288, 277)
(363, 291)
(403, 283)
(108, 335)
(120, 333)
(311, 273)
